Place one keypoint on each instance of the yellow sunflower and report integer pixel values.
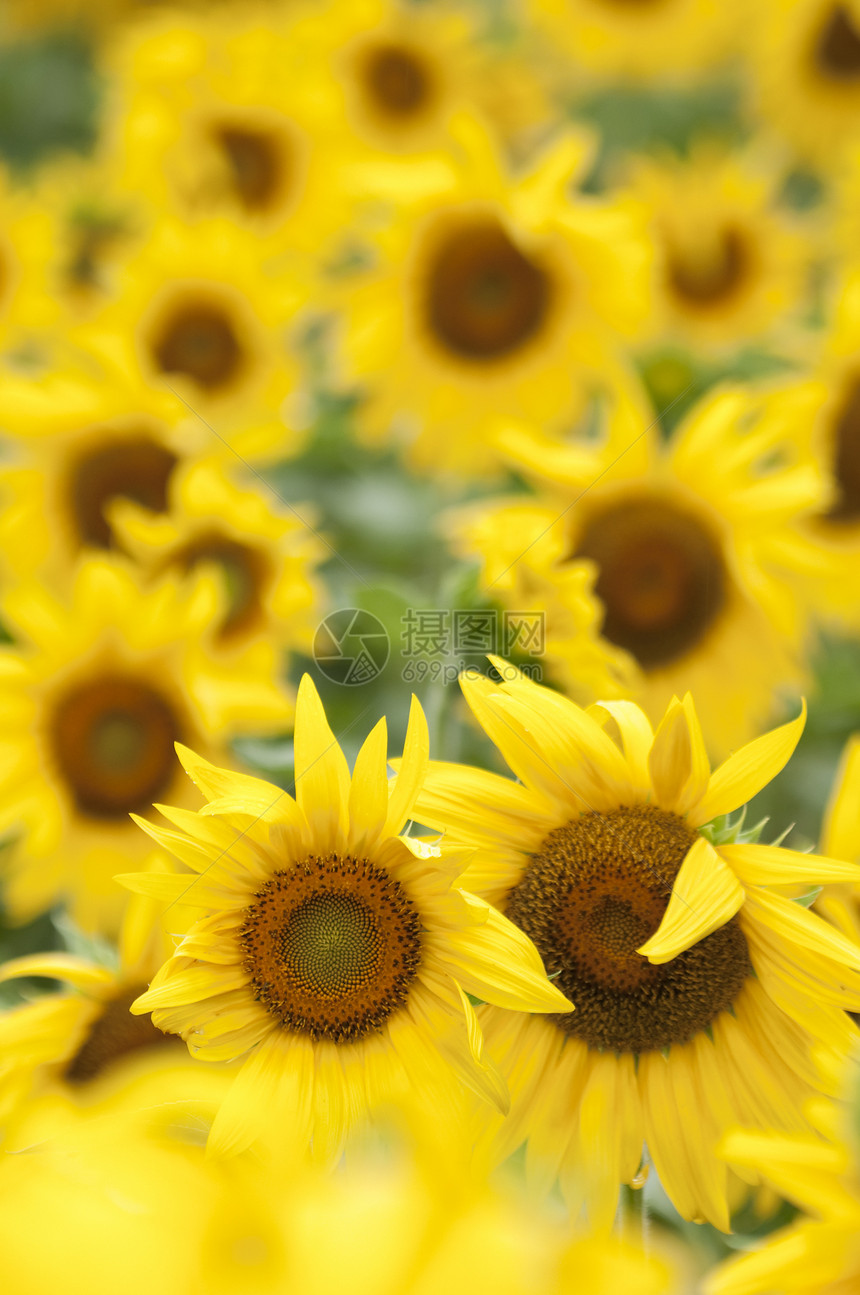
(819, 1254)
(335, 953)
(730, 265)
(228, 118)
(209, 317)
(95, 695)
(490, 296)
(263, 558)
(806, 66)
(27, 232)
(80, 1051)
(840, 836)
(699, 988)
(400, 72)
(691, 544)
(649, 40)
(156, 1209)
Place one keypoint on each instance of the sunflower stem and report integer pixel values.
(633, 1216)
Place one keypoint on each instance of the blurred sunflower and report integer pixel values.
(264, 558)
(650, 40)
(700, 989)
(209, 318)
(730, 264)
(691, 545)
(81, 1050)
(95, 696)
(402, 71)
(26, 243)
(806, 65)
(338, 955)
(840, 836)
(819, 1253)
(228, 117)
(490, 297)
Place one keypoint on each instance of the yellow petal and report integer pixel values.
(771, 865)
(637, 737)
(794, 923)
(705, 895)
(59, 966)
(322, 774)
(270, 1098)
(368, 790)
(841, 832)
(412, 770)
(744, 774)
(678, 762)
(214, 782)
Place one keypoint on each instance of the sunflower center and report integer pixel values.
(135, 468)
(711, 275)
(485, 297)
(113, 742)
(596, 890)
(332, 947)
(256, 164)
(661, 578)
(114, 1034)
(243, 571)
(198, 338)
(838, 49)
(846, 458)
(397, 81)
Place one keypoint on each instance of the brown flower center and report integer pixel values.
(199, 339)
(257, 162)
(661, 578)
(135, 467)
(596, 890)
(244, 571)
(113, 1035)
(485, 298)
(846, 458)
(332, 947)
(397, 81)
(837, 52)
(112, 739)
(714, 274)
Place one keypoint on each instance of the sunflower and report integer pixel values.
(337, 954)
(209, 317)
(80, 1051)
(650, 40)
(691, 543)
(806, 66)
(731, 265)
(228, 118)
(95, 695)
(818, 1254)
(490, 296)
(400, 73)
(264, 559)
(699, 988)
(155, 1208)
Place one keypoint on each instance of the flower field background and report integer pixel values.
(430, 476)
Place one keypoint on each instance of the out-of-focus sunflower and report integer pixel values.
(691, 544)
(819, 1253)
(264, 558)
(334, 953)
(26, 245)
(232, 118)
(490, 296)
(700, 988)
(806, 65)
(156, 1209)
(649, 40)
(840, 836)
(80, 1051)
(209, 314)
(730, 265)
(401, 71)
(95, 695)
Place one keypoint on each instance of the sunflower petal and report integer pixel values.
(368, 790)
(215, 782)
(771, 865)
(705, 895)
(59, 966)
(841, 832)
(322, 774)
(744, 774)
(272, 1091)
(678, 762)
(411, 773)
